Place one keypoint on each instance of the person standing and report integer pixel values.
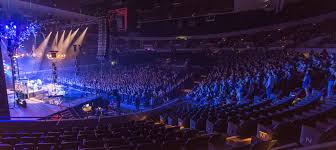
(239, 93)
(331, 81)
(117, 98)
(269, 85)
(306, 82)
(137, 102)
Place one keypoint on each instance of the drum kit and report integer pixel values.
(35, 85)
(25, 85)
(55, 90)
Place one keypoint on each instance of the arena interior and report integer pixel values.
(167, 74)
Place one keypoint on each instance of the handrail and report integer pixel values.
(4, 118)
(59, 121)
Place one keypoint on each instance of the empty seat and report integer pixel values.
(96, 148)
(70, 133)
(49, 139)
(22, 134)
(197, 143)
(10, 140)
(6, 147)
(92, 144)
(36, 134)
(25, 146)
(69, 145)
(172, 145)
(147, 146)
(121, 147)
(114, 142)
(29, 139)
(46, 146)
(8, 134)
(69, 138)
(267, 145)
(56, 134)
(220, 126)
(104, 135)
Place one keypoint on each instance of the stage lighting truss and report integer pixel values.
(53, 55)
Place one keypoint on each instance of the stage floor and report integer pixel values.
(37, 108)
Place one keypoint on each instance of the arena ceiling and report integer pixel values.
(33, 10)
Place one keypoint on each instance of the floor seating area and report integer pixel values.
(310, 120)
(142, 135)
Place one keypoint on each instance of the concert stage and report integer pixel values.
(39, 107)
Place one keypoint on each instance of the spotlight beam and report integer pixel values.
(40, 51)
(41, 48)
(61, 41)
(67, 42)
(80, 39)
(74, 34)
(54, 44)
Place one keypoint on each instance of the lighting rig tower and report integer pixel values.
(15, 36)
(12, 49)
(101, 59)
(53, 56)
(14, 58)
(12, 53)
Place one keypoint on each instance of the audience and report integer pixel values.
(263, 74)
(144, 84)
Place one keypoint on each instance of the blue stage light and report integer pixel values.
(10, 32)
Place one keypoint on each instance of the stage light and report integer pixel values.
(14, 26)
(74, 34)
(7, 27)
(80, 39)
(41, 48)
(67, 42)
(54, 44)
(113, 63)
(54, 56)
(40, 51)
(61, 41)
